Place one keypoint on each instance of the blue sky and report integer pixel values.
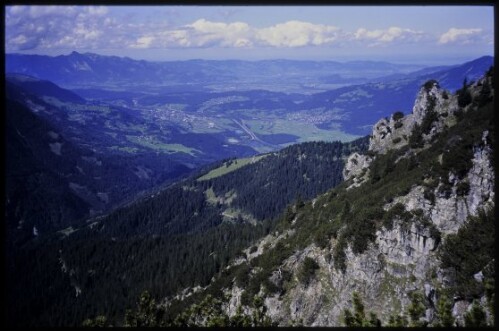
(424, 34)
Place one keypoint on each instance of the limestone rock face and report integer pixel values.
(481, 178)
(355, 164)
(425, 98)
(391, 133)
(398, 262)
(401, 259)
(448, 214)
(356, 168)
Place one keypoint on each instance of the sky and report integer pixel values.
(403, 34)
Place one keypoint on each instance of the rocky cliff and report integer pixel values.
(402, 253)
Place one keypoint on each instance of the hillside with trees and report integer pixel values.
(396, 250)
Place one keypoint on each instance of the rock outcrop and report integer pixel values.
(401, 259)
(357, 168)
(394, 132)
(404, 256)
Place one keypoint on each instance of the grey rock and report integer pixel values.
(356, 167)
(478, 277)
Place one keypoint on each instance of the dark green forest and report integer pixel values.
(165, 243)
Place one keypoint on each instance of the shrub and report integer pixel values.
(464, 98)
(321, 239)
(307, 270)
(444, 312)
(459, 114)
(270, 287)
(397, 209)
(429, 194)
(397, 321)
(469, 251)
(398, 125)
(445, 188)
(463, 95)
(339, 254)
(242, 276)
(429, 84)
(245, 298)
(485, 95)
(359, 318)
(430, 116)
(364, 233)
(490, 72)
(458, 160)
(462, 188)
(476, 317)
(398, 115)
(416, 309)
(416, 138)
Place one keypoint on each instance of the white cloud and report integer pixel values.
(204, 33)
(143, 42)
(35, 12)
(19, 40)
(463, 36)
(297, 33)
(97, 10)
(392, 34)
(56, 27)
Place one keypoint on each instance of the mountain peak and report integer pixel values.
(430, 110)
(430, 97)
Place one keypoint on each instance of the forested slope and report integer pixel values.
(176, 238)
(410, 233)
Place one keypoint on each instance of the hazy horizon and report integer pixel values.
(416, 61)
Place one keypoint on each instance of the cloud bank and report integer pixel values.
(93, 27)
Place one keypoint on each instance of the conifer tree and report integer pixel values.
(397, 321)
(475, 317)
(444, 312)
(358, 318)
(416, 309)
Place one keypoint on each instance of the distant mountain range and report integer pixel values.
(336, 98)
(78, 70)
(363, 104)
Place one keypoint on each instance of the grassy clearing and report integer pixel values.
(173, 148)
(67, 231)
(211, 197)
(152, 143)
(230, 166)
(231, 215)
